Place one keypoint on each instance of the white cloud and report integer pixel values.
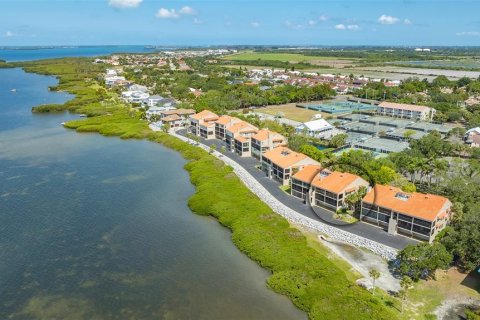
(407, 21)
(255, 24)
(312, 22)
(167, 14)
(197, 21)
(469, 33)
(323, 18)
(187, 10)
(124, 3)
(352, 27)
(384, 19)
(292, 25)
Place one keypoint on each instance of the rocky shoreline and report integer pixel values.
(294, 217)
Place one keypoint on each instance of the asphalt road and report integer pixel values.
(365, 230)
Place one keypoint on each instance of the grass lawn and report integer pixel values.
(290, 111)
(426, 296)
(290, 57)
(285, 189)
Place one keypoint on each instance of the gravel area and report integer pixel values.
(294, 217)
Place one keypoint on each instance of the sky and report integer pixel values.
(237, 22)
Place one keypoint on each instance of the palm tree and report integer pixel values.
(405, 284)
(374, 274)
(402, 295)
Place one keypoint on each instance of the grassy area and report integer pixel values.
(285, 189)
(426, 296)
(305, 275)
(290, 57)
(290, 111)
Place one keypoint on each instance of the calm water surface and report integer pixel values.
(26, 54)
(98, 228)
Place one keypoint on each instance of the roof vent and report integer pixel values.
(402, 196)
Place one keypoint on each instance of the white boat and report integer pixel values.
(83, 116)
(13, 90)
(63, 123)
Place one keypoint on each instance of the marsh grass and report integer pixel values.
(306, 275)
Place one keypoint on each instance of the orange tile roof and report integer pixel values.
(284, 157)
(179, 111)
(265, 133)
(308, 173)
(241, 139)
(404, 106)
(336, 181)
(423, 206)
(205, 115)
(172, 117)
(206, 124)
(224, 120)
(241, 126)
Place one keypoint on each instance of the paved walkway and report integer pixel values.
(361, 234)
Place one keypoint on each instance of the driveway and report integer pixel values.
(362, 229)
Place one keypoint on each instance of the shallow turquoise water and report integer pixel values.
(98, 228)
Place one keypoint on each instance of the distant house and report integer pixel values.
(281, 162)
(157, 111)
(415, 214)
(407, 111)
(137, 87)
(178, 118)
(265, 140)
(203, 124)
(154, 100)
(319, 128)
(111, 81)
(472, 137)
(173, 120)
(135, 96)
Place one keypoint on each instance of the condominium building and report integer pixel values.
(408, 111)
(237, 138)
(265, 140)
(281, 162)
(203, 124)
(301, 181)
(330, 188)
(222, 124)
(414, 214)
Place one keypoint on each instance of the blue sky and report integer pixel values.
(195, 22)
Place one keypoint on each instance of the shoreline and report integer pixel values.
(263, 235)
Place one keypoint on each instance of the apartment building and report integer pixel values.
(281, 162)
(330, 188)
(222, 124)
(265, 140)
(414, 214)
(407, 111)
(301, 181)
(203, 124)
(237, 138)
